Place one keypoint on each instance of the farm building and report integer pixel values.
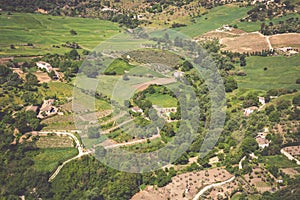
(43, 65)
(136, 109)
(250, 110)
(262, 100)
(47, 109)
(178, 74)
(262, 141)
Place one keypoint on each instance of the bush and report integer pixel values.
(93, 132)
(296, 100)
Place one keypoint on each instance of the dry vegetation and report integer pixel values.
(245, 43)
(188, 184)
(54, 142)
(286, 40)
(258, 178)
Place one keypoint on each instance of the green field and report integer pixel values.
(282, 72)
(58, 89)
(43, 31)
(112, 86)
(162, 100)
(152, 146)
(279, 161)
(255, 26)
(47, 160)
(216, 17)
(119, 66)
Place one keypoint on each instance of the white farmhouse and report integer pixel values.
(43, 65)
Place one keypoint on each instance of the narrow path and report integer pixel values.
(241, 162)
(115, 127)
(289, 156)
(81, 151)
(132, 143)
(269, 43)
(201, 192)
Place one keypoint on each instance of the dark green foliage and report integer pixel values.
(186, 66)
(283, 105)
(230, 84)
(93, 132)
(74, 54)
(249, 145)
(72, 32)
(296, 100)
(83, 177)
(26, 121)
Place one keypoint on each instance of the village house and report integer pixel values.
(261, 140)
(44, 66)
(47, 109)
(136, 109)
(178, 74)
(262, 100)
(165, 112)
(250, 110)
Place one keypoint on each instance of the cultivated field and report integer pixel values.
(54, 142)
(43, 31)
(188, 184)
(259, 179)
(282, 72)
(286, 40)
(216, 17)
(250, 42)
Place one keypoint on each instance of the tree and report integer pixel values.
(90, 70)
(283, 105)
(230, 84)
(186, 66)
(296, 100)
(243, 61)
(249, 145)
(274, 116)
(72, 32)
(26, 121)
(74, 55)
(269, 109)
(100, 152)
(93, 132)
(31, 79)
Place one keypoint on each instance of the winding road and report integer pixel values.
(201, 192)
(81, 151)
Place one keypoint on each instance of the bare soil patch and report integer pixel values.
(54, 142)
(286, 40)
(42, 77)
(290, 171)
(293, 150)
(188, 183)
(245, 43)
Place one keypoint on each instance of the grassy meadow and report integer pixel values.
(216, 17)
(279, 161)
(162, 100)
(48, 159)
(43, 31)
(281, 72)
